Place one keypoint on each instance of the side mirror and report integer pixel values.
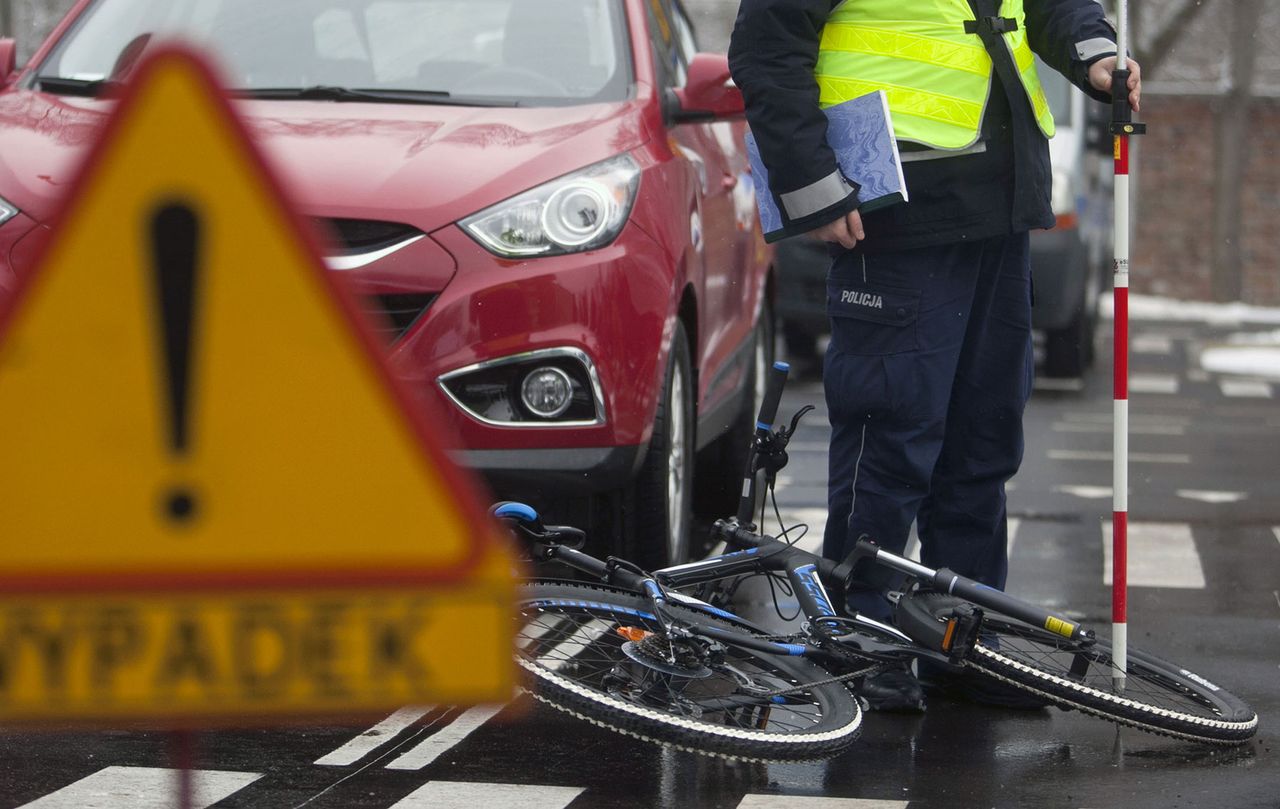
(708, 94)
(8, 60)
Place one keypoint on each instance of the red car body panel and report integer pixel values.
(691, 248)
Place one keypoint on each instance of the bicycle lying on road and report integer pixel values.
(657, 655)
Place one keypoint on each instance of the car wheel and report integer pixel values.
(722, 465)
(660, 526)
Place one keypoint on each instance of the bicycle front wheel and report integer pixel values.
(600, 654)
(1159, 697)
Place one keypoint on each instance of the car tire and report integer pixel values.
(659, 525)
(722, 465)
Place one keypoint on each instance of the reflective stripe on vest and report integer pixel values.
(935, 75)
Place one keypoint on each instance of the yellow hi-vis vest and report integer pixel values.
(936, 76)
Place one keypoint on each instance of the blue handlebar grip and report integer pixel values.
(772, 396)
(518, 511)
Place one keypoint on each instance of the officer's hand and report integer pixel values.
(1100, 78)
(846, 230)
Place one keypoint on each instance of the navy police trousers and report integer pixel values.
(929, 370)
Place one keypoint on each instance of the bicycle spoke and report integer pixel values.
(590, 646)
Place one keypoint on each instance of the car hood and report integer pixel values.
(419, 164)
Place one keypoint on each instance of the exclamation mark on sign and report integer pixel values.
(175, 242)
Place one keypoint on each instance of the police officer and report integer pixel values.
(925, 390)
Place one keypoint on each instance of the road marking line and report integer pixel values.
(1160, 555)
(1245, 388)
(466, 795)
(1276, 531)
(143, 788)
(1134, 429)
(1134, 457)
(1014, 524)
(374, 737)
(1109, 417)
(795, 802)
(446, 739)
(1153, 383)
(575, 644)
(1206, 496)
(1051, 383)
(809, 446)
(1086, 492)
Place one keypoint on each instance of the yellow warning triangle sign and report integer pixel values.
(187, 396)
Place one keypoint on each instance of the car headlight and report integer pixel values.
(7, 211)
(581, 211)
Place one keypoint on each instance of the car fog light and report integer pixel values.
(547, 392)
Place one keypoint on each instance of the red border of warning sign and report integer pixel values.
(413, 409)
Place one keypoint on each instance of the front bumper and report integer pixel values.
(616, 305)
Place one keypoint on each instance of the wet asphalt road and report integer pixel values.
(1204, 485)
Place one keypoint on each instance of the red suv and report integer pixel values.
(544, 203)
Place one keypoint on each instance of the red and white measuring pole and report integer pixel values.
(1122, 127)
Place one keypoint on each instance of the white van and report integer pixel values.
(1069, 264)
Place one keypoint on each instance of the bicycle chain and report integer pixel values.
(853, 675)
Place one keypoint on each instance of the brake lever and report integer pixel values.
(795, 422)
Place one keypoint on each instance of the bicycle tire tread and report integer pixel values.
(649, 724)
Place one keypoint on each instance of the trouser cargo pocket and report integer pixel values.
(871, 319)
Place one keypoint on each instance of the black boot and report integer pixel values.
(969, 686)
(894, 689)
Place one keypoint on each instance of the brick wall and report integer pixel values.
(1261, 237)
(1173, 198)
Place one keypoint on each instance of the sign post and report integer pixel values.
(219, 506)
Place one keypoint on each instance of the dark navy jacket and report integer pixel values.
(1004, 189)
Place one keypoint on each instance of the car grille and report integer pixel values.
(392, 315)
(366, 235)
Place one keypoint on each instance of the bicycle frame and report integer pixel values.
(805, 571)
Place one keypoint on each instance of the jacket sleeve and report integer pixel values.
(1070, 35)
(772, 55)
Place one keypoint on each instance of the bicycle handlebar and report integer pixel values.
(776, 381)
(735, 536)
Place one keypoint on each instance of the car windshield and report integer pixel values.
(526, 52)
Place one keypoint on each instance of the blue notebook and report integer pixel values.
(860, 132)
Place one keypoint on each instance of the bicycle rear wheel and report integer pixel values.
(579, 646)
(1159, 697)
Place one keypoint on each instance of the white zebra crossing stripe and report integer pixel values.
(143, 788)
(1245, 388)
(1153, 383)
(1207, 496)
(374, 737)
(1160, 555)
(795, 802)
(1086, 492)
(462, 795)
(1135, 457)
(444, 740)
(1108, 427)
